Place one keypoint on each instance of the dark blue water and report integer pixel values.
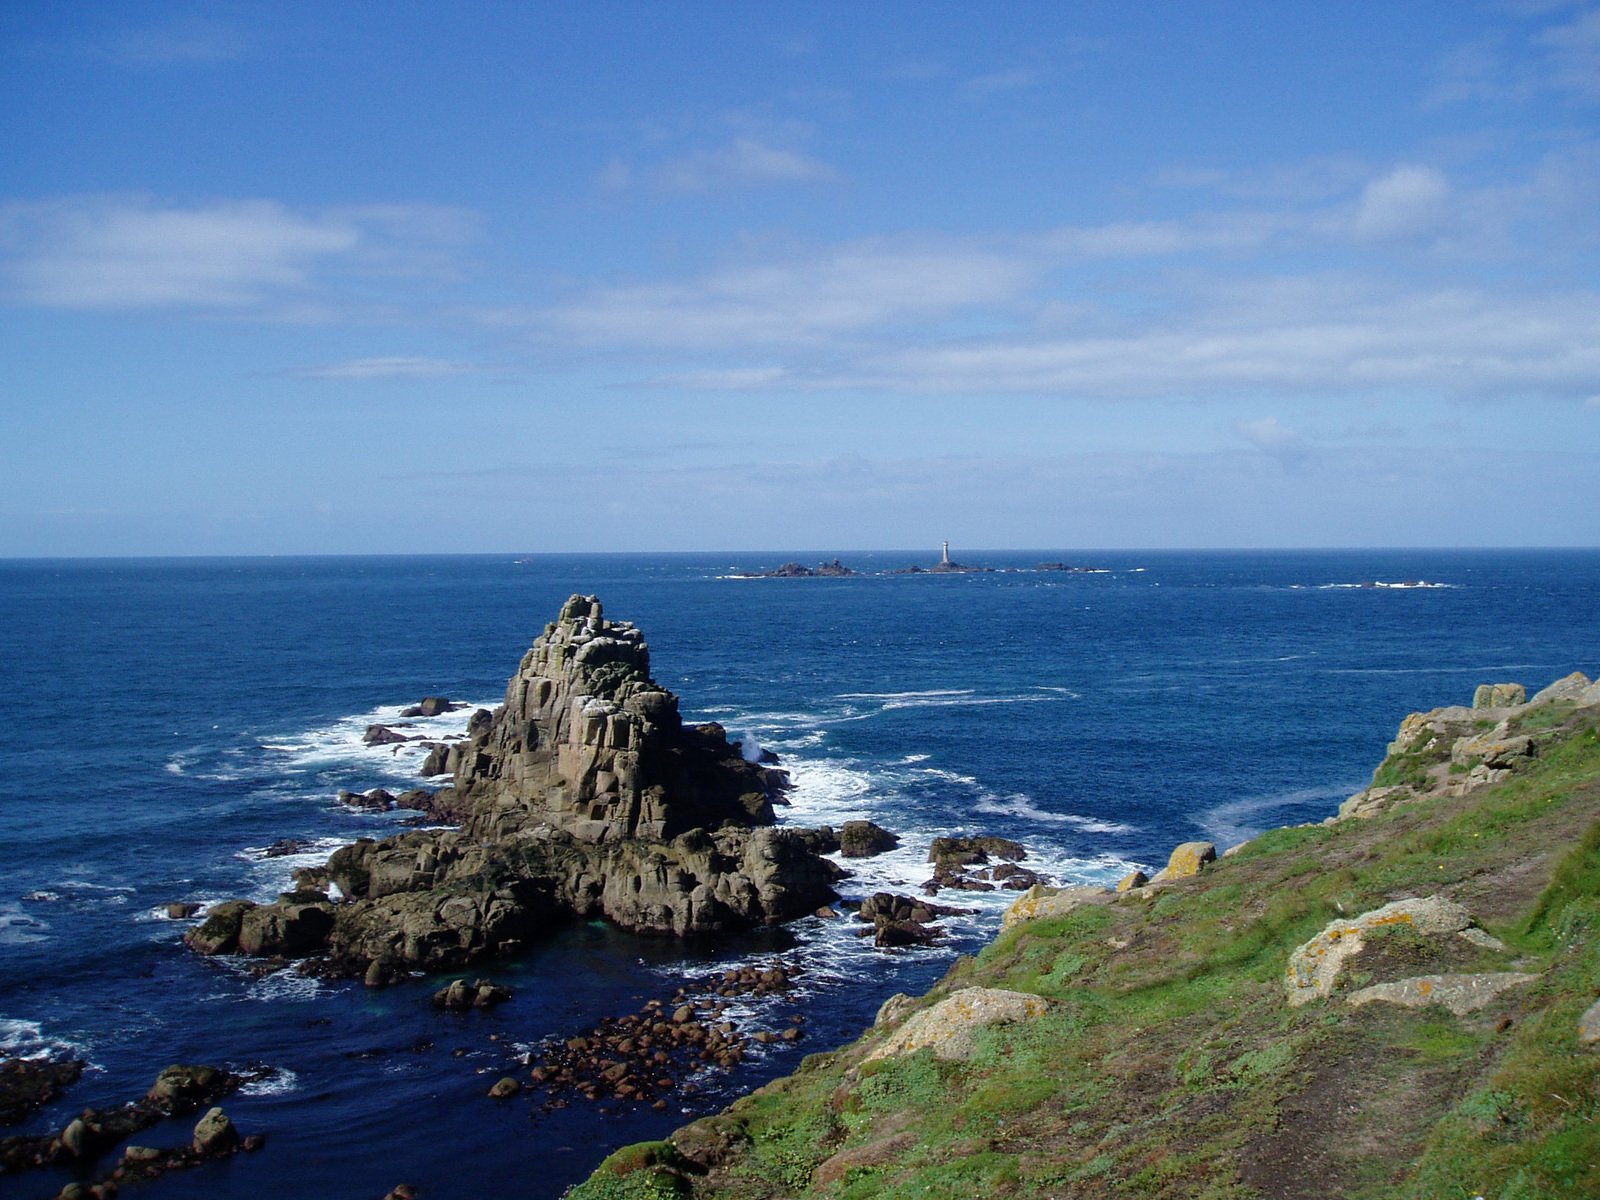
(165, 720)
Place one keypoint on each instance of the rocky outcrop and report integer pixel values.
(587, 743)
(583, 794)
(1455, 750)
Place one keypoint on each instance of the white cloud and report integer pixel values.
(839, 292)
(1574, 50)
(1409, 202)
(746, 161)
(1014, 80)
(731, 379)
(1273, 438)
(387, 368)
(1312, 336)
(119, 252)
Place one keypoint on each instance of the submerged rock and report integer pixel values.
(28, 1084)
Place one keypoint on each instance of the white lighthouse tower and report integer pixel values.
(944, 560)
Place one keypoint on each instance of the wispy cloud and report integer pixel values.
(396, 368)
(746, 161)
(1016, 79)
(120, 252)
(1409, 202)
(1274, 439)
(186, 41)
(840, 291)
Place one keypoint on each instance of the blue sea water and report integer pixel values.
(166, 720)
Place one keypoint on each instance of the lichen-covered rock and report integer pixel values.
(1569, 687)
(1492, 750)
(1461, 994)
(1187, 860)
(1040, 901)
(1314, 967)
(947, 1027)
(1589, 1025)
(1369, 803)
(1499, 695)
(1133, 879)
(897, 1006)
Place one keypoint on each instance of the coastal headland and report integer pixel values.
(1398, 1001)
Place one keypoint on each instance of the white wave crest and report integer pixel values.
(1022, 807)
(279, 1081)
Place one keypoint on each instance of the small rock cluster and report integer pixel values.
(901, 921)
(646, 1054)
(461, 995)
(176, 1091)
(961, 863)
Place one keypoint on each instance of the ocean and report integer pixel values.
(165, 721)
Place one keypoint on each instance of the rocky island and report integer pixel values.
(1399, 1001)
(583, 794)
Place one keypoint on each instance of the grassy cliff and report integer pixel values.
(1169, 1061)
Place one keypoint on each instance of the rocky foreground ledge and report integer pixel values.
(1401, 1001)
(583, 794)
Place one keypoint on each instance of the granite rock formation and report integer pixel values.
(583, 794)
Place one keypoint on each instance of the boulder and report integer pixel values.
(287, 929)
(382, 735)
(214, 1135)
(1589, 1025)
(965, 851)
(1499, 695)
(219, 932)
(947, 1027)
(1133, 879)
(864, 839)
(1461, 994)
(1187, 860)
(1314, 967)
(184, 1088)
(181, 910)
(1042, 901)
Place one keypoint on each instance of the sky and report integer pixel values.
(480, 276)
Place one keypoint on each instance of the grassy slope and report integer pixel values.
(1170, 1064)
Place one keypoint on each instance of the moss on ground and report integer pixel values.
(1170, 1065)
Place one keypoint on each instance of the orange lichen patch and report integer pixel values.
(1314, 968)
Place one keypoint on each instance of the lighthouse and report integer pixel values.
(944, 560)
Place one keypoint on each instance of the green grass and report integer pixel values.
(1169, 1060)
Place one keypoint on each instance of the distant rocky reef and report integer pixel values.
(583, 794)
(794, 570)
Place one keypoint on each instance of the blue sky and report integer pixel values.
(416, 277)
